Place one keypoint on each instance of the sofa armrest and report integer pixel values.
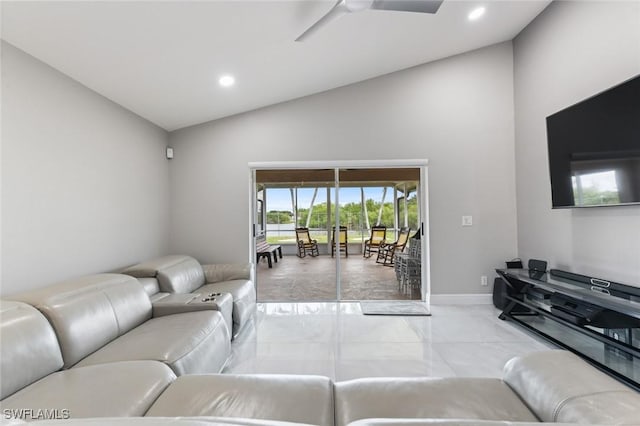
(559, 386)
(227, 271)
(180, 303)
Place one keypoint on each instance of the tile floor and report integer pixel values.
(293, 279)
(336, 340)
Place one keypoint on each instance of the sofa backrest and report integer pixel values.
(427, 397)
(558, 386)
(175, 274)
(150, 285)
(292, 398)
(89, 312)
(29, 349)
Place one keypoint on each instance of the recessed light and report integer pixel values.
(226, 80)
(476, 13)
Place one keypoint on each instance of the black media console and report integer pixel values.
(597, 319)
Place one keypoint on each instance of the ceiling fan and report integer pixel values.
(343, 7)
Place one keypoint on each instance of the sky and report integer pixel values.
(604, 181)
(280, 198)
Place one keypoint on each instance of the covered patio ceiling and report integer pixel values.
(314, 178)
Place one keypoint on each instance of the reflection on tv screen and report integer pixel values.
(605, 181)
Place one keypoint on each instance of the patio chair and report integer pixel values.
(378, 235)
(305, 243)
(342, 241)
(387, 251)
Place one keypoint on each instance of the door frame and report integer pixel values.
(423, 200)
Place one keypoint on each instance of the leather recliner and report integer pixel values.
(33, 379)
(108, 317)
(180, 274)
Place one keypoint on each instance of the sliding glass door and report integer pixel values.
(346, 233)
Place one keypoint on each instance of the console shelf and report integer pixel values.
(596, 319)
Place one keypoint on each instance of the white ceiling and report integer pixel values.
(162, 59)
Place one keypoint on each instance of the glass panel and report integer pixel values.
(624, 363)
(369, 211)
(295, 199)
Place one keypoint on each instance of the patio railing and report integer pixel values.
(285, 234)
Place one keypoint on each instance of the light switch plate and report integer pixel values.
(467, 220)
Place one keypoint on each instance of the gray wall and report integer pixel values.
(84, 181)
(457, 113)
(570, 52)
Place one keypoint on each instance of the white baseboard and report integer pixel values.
(461, 299)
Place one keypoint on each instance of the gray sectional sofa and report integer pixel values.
(94, 352)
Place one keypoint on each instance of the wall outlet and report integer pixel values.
(483, 281)
(467, 220)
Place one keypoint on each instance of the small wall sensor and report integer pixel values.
(169, 153)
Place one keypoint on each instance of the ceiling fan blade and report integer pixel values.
(335, 12)
(422, 6)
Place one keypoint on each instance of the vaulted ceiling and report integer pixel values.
(162, 59)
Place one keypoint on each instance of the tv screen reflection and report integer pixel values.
(605, 181)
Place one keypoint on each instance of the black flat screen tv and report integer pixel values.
(594, 149)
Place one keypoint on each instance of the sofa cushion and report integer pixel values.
(168, 421)
(175, 274)
(192, 342)
(217, 272)
(116, 389)
(453, 398)
(170, 304)
(29, 349)
(149, 268)
(244, 300)
(291, 398)
(560, 387)
(447, 422)
(89, 312)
